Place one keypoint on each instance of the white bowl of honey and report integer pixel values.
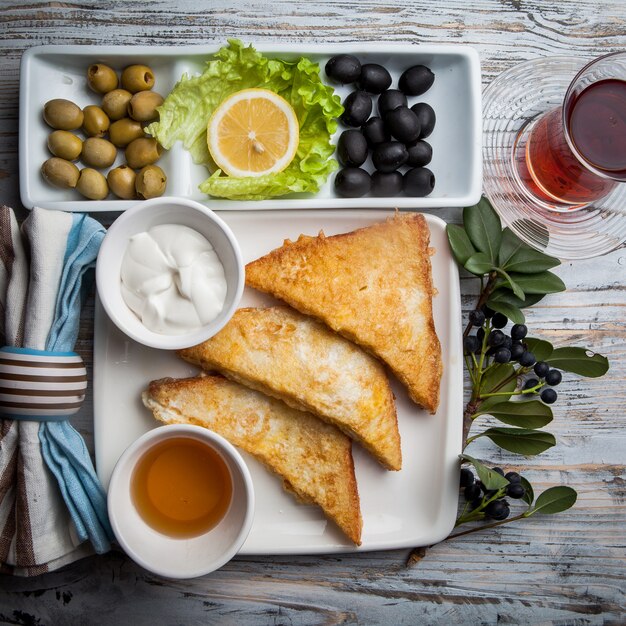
(181, 501)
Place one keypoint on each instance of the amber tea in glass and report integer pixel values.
(576, 154)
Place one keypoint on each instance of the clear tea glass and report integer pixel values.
(576, 153)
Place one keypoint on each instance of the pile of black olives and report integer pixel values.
(117, 123)
(394, 137)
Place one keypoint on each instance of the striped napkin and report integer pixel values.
(52, 507)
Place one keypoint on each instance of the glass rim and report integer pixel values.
(567, 97)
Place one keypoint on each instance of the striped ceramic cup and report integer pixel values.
(40, 385)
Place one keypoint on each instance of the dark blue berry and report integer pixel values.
(541, 368)
(496, 338)
(476, 503)
(467, 477)
(498, 510)
(519, 331)
(502, 355)
(480, 485)
(508, 342)
(517, 349)
(513, 477)
(477, 317)
(498, 470)
(471, 344)
(515, 490)
(471, 492)
(499, 320)
(553, 377)
(548, 396)
(490, 494)
(480, 334)
(530, 383)
(487, 311)
(527, 359)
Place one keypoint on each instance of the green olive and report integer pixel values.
(115, 102)
(101, 78)
(60, 173)
(143, 151)
(98, 152)
(96, 122)
(122, 132)
(62, 114)
(143, 104)
(92, 184)
(122, 182)
(137, 78)
(64, 144)
(150, 182)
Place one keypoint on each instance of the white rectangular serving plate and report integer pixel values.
(49, 72)
(412, 507)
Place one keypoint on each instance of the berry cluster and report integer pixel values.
(492, 503)
(506, 348)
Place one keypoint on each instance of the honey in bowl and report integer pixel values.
(181, 487)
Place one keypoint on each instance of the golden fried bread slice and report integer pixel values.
(373, 286)
(313, 458)
(295, 358)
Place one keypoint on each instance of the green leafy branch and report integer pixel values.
(513, 276)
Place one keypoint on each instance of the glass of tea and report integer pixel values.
(575, 154)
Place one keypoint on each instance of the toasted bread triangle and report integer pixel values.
(299, 360)
(313, 458)
(373, 286)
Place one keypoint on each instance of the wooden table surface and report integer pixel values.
(563, 569)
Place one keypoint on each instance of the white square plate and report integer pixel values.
(415, 506)
(49, 72)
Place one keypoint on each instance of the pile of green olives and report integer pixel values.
(394, 137)
(116, 124)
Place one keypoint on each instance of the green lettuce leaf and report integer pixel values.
(186, 111)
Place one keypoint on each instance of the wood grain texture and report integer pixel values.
(567, 569)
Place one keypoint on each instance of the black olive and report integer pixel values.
(403, 124)
(374, 78)
(375, 131)
(389, 100)
(344, 68)
(426, 116)
(352, 182)
(389, 156)
(386, 184)
(352, 148)
(416, 80)
(420, 154)
(419, 182)
(357, 108)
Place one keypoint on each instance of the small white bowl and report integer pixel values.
(142, 217)
(174, 557)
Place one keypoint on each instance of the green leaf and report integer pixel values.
(489, 478)
(526, 414)
(520, 440)
(540, 348)
(510, 244)
(504, 295)
(554, 500)
(512, 312)
(493, 380)
(483, 228)
(486, 404)
(461, 246)
(529, 496)
(479, 264)
(541, 283)
(516, 256)
(511, 284)
(579, 361)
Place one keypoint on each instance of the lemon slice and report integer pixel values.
(252, 133)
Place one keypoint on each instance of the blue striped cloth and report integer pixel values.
(62, 447)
